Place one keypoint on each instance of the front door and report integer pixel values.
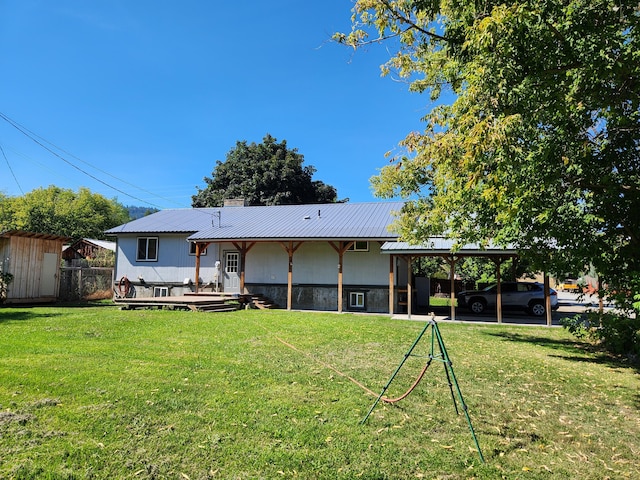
(231, 272)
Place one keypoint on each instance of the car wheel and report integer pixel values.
(538, 309)
(477, 305)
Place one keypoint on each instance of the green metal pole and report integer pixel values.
(449, 367)
(384, 389)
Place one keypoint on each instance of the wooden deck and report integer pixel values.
(199, 302)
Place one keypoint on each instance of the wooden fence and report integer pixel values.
(85, 283)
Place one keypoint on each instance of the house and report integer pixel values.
(33, 259)
(322, 257)
(86, 248)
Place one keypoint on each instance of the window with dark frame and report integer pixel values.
(192, 249)
(356, 300)
(160, 291)
(147, 249)
(359, 246)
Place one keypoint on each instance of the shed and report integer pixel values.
(86, 248)
(34, 261)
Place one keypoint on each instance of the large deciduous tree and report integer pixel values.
(59, 211)
(268, 173)
(539, 146)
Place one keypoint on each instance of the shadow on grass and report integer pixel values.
(571, 348)
(22, 313)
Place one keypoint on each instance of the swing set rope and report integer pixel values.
(356, 382)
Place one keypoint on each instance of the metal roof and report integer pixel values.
(440, 245)
(183, 220)
(277, 222)
(25, 234)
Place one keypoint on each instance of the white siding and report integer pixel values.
(174, 262)
(366, 268)
(316, 263)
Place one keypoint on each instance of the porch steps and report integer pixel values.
(214, 307)
(263, 303)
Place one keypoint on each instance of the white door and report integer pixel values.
(48, 275)
(231, 272)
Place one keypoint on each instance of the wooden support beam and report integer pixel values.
(391, 284)
(290, 248)
(547, 299)
(340, 248)
(451, 260)
(200, 247)
(243, 248)
(409, 286)
(498, 262)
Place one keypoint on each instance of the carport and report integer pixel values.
(447, 249)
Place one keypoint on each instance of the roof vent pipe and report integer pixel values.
(318, 213)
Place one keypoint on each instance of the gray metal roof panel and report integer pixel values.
(185, 220)
(444, 245)
(333, 220)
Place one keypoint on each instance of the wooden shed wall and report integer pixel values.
(24, 258)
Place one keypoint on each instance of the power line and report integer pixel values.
(42, 141)
(11, 169)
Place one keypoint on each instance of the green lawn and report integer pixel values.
(96, 392)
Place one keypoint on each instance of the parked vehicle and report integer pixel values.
(569, 285)
(527, 296)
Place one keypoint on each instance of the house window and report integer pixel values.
(356, 300)
(160, 291)
(147, 249)
(359, 246)
(192, 249)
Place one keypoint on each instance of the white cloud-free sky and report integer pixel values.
(145, 96)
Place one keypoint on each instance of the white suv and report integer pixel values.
(527, 296)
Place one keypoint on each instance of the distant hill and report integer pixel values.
(139, 212)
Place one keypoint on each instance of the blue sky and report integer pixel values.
(154, 92)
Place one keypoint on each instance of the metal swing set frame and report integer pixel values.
(440, 356)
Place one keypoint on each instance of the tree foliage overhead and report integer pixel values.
(268, 173)
(540, 147)
(58, 211)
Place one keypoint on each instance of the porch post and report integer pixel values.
(243, 249)
(196, 281)
(290, 248)
(340, 248)
(340, 258)
(391, 285)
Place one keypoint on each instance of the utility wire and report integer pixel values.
(41, 142)
(11, 169)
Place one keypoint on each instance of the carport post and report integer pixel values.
(547, 300)
(451, 259)
(498, 262)
(391, 285)
(409, 286)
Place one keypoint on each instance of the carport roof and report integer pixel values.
(445, 246)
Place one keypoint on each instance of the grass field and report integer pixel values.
(96, 392)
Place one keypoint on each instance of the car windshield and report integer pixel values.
(489, 288)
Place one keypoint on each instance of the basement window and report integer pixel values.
(356, 300)
(160, 291)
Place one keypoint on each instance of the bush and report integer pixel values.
(5, 280)
(617, 333)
